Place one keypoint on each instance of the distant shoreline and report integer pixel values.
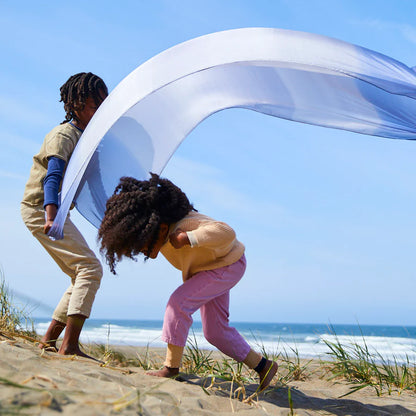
(355, 325)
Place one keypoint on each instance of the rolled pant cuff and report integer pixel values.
(60, 318)
(79, 312)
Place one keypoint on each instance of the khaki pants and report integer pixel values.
(75, 259)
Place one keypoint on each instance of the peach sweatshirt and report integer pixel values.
(213, 245)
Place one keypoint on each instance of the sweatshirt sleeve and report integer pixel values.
(212, 235)
(52, 181)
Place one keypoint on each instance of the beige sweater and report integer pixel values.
(214, 245)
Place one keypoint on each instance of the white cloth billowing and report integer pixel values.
(294, 75)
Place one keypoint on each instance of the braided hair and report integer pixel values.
(77, 89)
(134, 214)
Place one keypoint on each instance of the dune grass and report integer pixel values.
(14, 320)
(354, 363)
(364, 368)
(223, 376)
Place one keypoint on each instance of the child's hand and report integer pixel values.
(179, 239)
(47, 226)
(50, 214)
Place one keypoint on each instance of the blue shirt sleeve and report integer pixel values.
(52, 180)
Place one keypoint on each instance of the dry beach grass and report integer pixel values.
(35, 382)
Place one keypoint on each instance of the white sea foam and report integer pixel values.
(387, 348)
(115, 334)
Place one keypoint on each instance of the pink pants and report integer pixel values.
(209, 291)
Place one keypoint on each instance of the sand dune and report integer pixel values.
(36, 383)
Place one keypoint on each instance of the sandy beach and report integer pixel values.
(43, 383)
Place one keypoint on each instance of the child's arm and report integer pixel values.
(51, 186)
(214, 235)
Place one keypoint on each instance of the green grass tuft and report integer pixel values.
(13, 320)
(195, 360)
(365, 368)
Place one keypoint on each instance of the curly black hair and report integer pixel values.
(134, 214)
(77, 89)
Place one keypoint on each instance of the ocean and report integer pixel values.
(305, 340)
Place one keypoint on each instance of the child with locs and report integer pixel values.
(82, 94)
(153, 216)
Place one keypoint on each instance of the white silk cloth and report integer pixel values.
(293, 75)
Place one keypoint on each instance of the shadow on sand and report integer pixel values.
(279, 396)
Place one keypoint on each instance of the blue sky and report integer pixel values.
(327, 216)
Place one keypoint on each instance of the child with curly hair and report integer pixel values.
(81, 94)
(153, 216)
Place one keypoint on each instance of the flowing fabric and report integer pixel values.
(293, 75)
